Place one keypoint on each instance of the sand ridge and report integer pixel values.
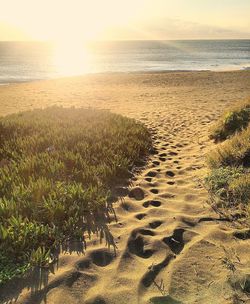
(171, 246)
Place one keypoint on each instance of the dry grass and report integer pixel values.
(234, 120)
(233, 152)
(229, 178)
(240, 188)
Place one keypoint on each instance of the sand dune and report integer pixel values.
(172, 247)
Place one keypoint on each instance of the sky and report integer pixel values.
(63, 20)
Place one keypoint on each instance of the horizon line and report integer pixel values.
(130, 40)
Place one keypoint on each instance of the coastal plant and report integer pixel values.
(11, 269)
(220, 179)
(233, 152)
(239, 189)
(58, 167)
(234, 120)
(231, 185)
(228, 180)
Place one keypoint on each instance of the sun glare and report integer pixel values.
(70, 58)
(62, 20)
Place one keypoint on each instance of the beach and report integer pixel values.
(171, 246)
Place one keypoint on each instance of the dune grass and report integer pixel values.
(229, 161)
(58, 167)
(234, 120)
(233, 152)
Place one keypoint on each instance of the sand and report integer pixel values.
(172, 247)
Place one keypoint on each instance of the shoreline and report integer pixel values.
(108, 89)
(7, 83)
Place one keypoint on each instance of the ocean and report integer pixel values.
(28, 61)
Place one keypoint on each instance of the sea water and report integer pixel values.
(28, 61)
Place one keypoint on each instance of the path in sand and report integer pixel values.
(169, 240)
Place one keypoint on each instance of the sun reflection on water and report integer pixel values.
(71, 58)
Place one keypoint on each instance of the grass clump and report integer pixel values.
(57, 169)
(229, 177)
(230, 187)
(220, 179)
(240, 188)
(234, 152)
(235, 120)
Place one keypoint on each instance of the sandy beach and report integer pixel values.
(172, 247)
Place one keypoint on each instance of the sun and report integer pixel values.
(71, 58)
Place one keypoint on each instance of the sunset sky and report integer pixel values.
(119, 19)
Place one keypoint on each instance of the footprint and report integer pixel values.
(175, 241)
(171, 183)
(152, 203)
(170, 174)
(140, 216)
(151, 174)
(155, 224)
(148, 179)
(172, 153)
(156, 162)
(163, 154)
(154, 191)
(101, 257)
(155, 203)
(136, 246)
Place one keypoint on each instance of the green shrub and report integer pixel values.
(11, 269)
(233, 121)
(57, 169)
(219, 180)
(231, 187)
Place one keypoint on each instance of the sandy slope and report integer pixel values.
(171, 246)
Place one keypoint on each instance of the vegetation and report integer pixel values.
(233, 152)
(235, 120)
(57, 169)
(229, 178)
